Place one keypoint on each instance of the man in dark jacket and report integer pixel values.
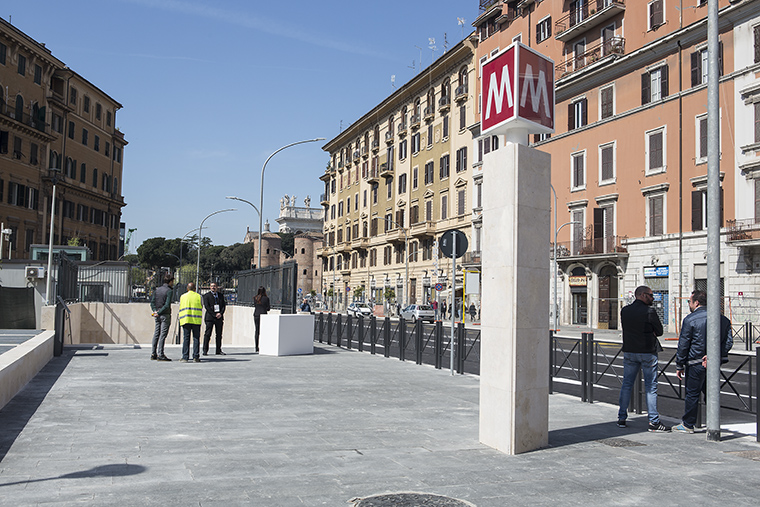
(215, 305)
(161, 304)
(641, 327)
(691, 355)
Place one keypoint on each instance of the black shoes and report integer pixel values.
(163, 358)
(205, 353)
(153, 357)
(197, 360)
(658, 427)
(621, 423)
(220, 353)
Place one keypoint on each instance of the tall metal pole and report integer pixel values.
(49, 285)
(453, 305)
(200, 241)
(261, 192)
(713, 227)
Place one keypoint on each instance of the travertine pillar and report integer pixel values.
(514, 360)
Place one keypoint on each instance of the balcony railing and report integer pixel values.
(743, 231)
(605, 49)
(373, 175)
(609, 246)
(426, 228)
(429, 113)
(356, 156)
(29, 121)
(389, 137)
(415, 121)
(324, 199)
(589, 15)
(402, 129)
(460, 93)
(386, 170)
(444, 103)
(472, 257)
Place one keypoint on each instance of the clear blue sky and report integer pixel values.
(211, 89)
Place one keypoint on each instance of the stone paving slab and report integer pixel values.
(106, 426)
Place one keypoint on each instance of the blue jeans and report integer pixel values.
(632, 363)
(159, 334)
(195, 329)
(695, 384)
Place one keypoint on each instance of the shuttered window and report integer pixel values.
(656, 15)
(699, 65)
(608, 162)
(655, 215)
(579, 170)
(607, 96)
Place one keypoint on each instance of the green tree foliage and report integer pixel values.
(287, 242)
(160, 252)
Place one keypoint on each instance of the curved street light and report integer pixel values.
(56, 175)
(200, 240)
(261, 196)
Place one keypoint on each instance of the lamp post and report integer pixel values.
(556, 232)
(200, 240)
(257, 212)
(261, 193)
(56, 171)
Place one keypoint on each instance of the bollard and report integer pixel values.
(584, 367)
(757, 394)
(461, 347)
(349, 320)
(418, 342)
(329, 328)
(372, 334)
(387, 337)
(360, 346)
(438, 344)
(339, 338)
(551, 361)
(401, 339)
(591, 367)
(320, 326)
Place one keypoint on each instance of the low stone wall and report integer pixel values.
(19, 365)
(132, 323)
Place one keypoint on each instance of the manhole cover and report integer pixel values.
(409, 500)
(620, 442)
(753, 455)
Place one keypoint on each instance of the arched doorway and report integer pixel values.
(608, 302)
(578, 287)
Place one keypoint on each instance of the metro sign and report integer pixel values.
(517, 91)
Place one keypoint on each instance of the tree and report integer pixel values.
(152, 253)
(287, 242)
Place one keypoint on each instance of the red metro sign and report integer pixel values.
(517, 91)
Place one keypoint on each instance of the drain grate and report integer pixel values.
(620, 442)
(409, 500)
(753, 455)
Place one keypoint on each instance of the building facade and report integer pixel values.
(629, 153)
(53, 118)
(397, 179)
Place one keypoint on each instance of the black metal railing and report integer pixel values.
(579, 15)
(37, 122)
(279, 281)
(592, 54)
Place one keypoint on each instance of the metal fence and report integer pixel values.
(279, 281)
(593, 370)
(422, 343)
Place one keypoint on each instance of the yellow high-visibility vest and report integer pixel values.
(190, 308)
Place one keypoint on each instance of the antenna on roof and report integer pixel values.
(420, 55)
(412, 65)
(445, 42)
(461, 22)
(431, 45)
(393, 81)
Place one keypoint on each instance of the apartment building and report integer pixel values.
(52, 117)
(629, 154)
(397, 179)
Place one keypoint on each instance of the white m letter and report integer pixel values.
(537, 92)
(496, 92)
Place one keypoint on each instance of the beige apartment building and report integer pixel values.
(52, 117)
(629, 154)
(397, 179)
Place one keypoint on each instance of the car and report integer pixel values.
(357, 309)
(418, 312)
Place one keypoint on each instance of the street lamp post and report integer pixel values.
(261, 196)
(200, 241)
(556, 232)
(254, 207)
(56, 171)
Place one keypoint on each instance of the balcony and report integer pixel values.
(25, 119)
(591, 248)
(365, 150)
(472, 258)
(372, 175)
(421, 229)
(386, 170)
(327, 174)
(603, 52)
(389, 137)
(356, 156)
(348, 162)
(375, 145)
(344, 247)
(361, 243)
(402, 129)
(591, 14)
(429, 113)
(345, 271)
(444, 104)
(460, 93)
(324, 199)
(507, 17)
(415, 121)
(743, 232)
(396, 235)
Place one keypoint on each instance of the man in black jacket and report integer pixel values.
(641, 327)
(215, 305)
(692, 353)
(161, 304)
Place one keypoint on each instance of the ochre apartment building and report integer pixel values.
(52, 117)
(629, 152)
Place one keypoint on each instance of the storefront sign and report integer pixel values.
(657, 271)
(578, 281)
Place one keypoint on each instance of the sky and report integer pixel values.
(211, 89)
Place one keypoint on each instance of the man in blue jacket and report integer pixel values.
(692, 354)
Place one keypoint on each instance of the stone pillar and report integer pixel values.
(514, 359)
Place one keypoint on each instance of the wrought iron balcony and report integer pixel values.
(402, 129)
(460, 93)
(603, 51)
(415, 121)
(373, 175)
(743, 232)
(386, 170)
(444, 104)
(389, 137)
(611, 246)
(429, 113)
(324, 199)
(21, 117)
(588, 16)
(375, 145)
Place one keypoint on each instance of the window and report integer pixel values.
(429, 168)
(364, 198)
(402, 183)
(478, 204)
(95, 178)
(655, 204)
(72, 130)
(700, 127)
(415, 143)
(402, 150)
(96, 144)
(445, 127)
(461, 201)
(461, 159)
(462, 117)
(414, 214)
(757, 199)
(72, 95)
(33, 155)
(4, 52)
(699, 209)
(374, 193)
(348, 205)
(107, 153)
(3, 142)
(577, 230)
(654, 85)
(85, 135)
(430, 136)
(607, 102)
(108, 118)
(604, 228)
(17, 148)
(389, 187)
(544, 29)
(429, 210)
(98, 111)
(655, 151)
(37, 74)
(757, 122)
(577, 115)
(444, 172)
(578, 167)
(56, 122)
(356, 201)
(699, 66)
(340, 209)
(22, 65)
(444, 207)
(656, 11)
(83, 173)
(414, 178)
(607, 163)
(86, 104)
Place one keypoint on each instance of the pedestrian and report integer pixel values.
(305, 306)
(215, 306)
(398, 309)
(190, 315)
(473, 311)
(261, 305)
(434, 304)
(641, 327)
(161, 304)
(443, 310)
(692, 354)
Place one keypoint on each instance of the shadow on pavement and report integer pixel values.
(592, 432)
(17, 413)
(115, 470)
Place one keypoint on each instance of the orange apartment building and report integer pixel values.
(629, 153)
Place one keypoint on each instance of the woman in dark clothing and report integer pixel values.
(261, 302)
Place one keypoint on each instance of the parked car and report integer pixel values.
(419, 312)
(357, 309)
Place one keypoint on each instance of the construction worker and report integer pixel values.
(190, 318)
